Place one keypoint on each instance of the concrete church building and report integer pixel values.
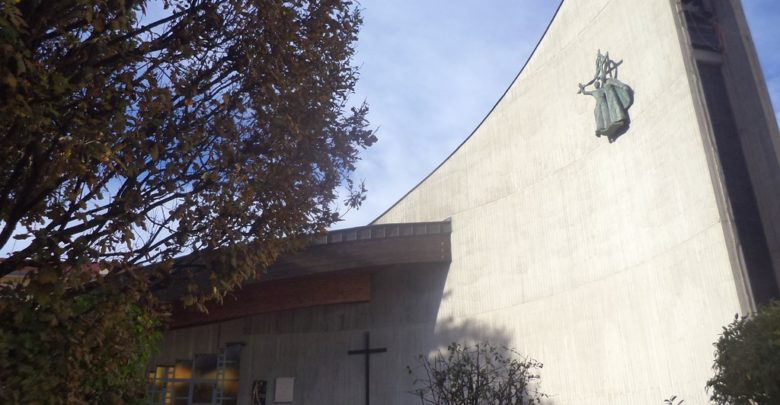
(615, 259)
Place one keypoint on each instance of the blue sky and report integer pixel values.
(432, 69)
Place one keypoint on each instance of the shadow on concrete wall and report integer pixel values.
(469, 333)
(311, 344)
(441, 332)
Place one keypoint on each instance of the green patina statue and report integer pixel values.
(613, 98)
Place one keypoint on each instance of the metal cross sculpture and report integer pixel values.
(367, 351)
(613, 98)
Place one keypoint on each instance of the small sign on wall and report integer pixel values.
(283, 389)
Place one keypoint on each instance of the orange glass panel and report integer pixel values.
(183, 370)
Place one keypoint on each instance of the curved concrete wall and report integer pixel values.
(607, 262)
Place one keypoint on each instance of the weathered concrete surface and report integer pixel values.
(608, 262)
(755, 119)
(614, 264)
(311, 344)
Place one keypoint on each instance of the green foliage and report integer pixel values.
(221, 127)
(747, 360)
(76, 346)
(130, 139)
(478, 375)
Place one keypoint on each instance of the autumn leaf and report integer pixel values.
(146, 143)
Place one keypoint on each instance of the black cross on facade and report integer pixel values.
(367, 351)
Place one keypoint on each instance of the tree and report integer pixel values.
(478, 375)
(83, 347)
(131, 137)
(747, 360)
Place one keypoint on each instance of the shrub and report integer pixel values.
(478, 375)
(747, 360)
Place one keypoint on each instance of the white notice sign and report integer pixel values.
(283, 389)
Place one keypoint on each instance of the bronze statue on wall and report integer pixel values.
(613, 98)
